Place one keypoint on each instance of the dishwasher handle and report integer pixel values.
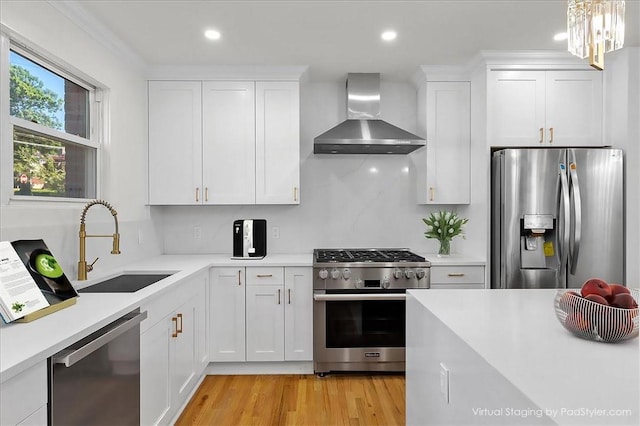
(70, 356)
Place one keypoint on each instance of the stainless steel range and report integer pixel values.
(359, 307)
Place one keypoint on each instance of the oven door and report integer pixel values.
(359, 331)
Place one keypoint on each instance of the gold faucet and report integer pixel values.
(83, 268)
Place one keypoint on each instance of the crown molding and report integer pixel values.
(228, 72)
(426, 73)
(74, 10)
(528, 59)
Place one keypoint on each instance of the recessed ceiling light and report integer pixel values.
(561, 36)
(389, 35)
(212, 34)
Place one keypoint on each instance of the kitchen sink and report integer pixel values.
(125, 283)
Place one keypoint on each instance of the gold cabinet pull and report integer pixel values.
(179, 330)
(289, 294)
(550, 134)
(197, 195)
(432, 193)
(206, 194)
(295, 193)
(278, 296)
(239, 282)
(175, 328)
(541, 134)
(264, 275)
(456, 274)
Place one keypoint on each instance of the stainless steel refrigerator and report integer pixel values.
(557, 217)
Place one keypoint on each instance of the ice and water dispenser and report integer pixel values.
(538, 239)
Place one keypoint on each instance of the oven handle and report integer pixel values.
(356, 297)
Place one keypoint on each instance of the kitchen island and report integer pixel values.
(500, 357)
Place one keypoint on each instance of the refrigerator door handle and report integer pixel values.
(577, 216)
(564, 216)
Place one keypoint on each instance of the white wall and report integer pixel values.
(343, 202)
(124, 177)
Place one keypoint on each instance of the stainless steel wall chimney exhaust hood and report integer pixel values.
(364, 132)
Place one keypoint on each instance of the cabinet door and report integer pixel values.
(277, 142)
(184, 370)
(175, 142)
(574, 108)
(448, 143)
(516, 108)
(23, 396)
(298, 314)
(227, 315)
(156, 354)
(201, 326)
(228, 142)
(265, 323)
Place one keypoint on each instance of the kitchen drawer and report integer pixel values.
(456, 286)
(265, 275)
(457, 274)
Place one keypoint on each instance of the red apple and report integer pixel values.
(617, 289)
(624, 300)
(596, 286)
(578, 324)
(597, 298)
(568, 301)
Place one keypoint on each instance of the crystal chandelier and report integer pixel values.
(595, 27)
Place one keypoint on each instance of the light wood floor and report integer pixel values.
(297, 400)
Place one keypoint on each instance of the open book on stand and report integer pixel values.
(32, 283)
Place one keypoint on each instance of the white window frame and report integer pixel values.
(98, 94)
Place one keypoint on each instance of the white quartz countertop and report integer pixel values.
(517, 332)
(453, 259)
(24, 344)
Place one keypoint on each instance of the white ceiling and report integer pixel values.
(335, 37)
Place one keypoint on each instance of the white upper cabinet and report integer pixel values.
(175, 142)
(228, 144)
(544, 108)
(224, 142)
(277, 142)
(443, 168)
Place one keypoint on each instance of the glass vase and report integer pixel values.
(445, 248)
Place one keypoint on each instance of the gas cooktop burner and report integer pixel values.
(365, 255)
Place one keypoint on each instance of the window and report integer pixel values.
(52, 114)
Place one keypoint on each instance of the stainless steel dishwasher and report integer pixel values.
(96, 381)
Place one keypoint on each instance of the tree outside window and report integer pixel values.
(51, 138)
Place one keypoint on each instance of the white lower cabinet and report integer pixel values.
(278, 322)
(265, 323)
(39, 418)
(298, 314)
(457, 276)
(23, 398)
(171, 350)
(227, 315)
